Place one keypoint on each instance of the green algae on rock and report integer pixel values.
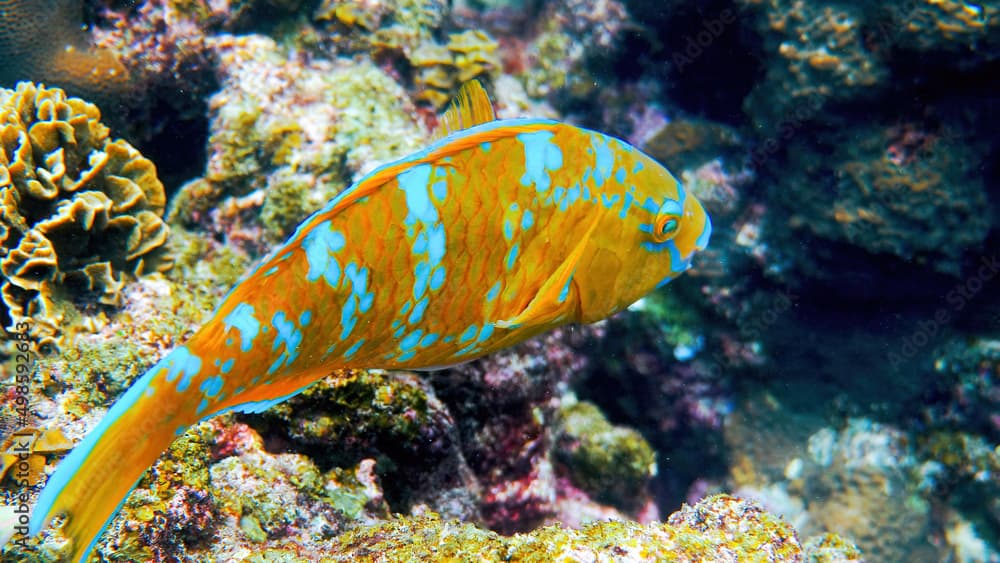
(613, 463)
(287, 135)
(79, 213)
(831, 548)
(719, 528)
(391, 417)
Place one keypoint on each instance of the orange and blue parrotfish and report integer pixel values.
(499, 231)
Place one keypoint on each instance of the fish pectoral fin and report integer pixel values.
(545, 308)
(559, 296)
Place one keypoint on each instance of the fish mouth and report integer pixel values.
(700, 223)
(706, 235)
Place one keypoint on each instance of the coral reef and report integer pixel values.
(683, 144)
(441, 69)
(961, 459)
(844, 150)
(81, 212)
(847, 481)
(861, 477)
(950, 28)
(166, 50)
(43, 42)
(502, 407)
(287, 135)
(614, 464)
(380, 28)
(394, 418)
(719, 528)
(817, 54)
(831, 548)
(970, 370)
(555, 63)
(908, 190)
(30, 446)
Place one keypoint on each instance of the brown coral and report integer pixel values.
(44, 41)
(77, 210)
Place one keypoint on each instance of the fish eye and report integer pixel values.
(668, 221)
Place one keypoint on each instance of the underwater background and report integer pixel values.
(822, 385)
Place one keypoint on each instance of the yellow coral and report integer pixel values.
(23, 453)
(77, 211)
(441, 69)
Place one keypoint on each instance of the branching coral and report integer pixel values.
(77, 210)
(819, 55)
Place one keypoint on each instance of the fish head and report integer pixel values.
(643, 242)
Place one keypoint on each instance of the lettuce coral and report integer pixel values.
(441, 69)
(77, 210)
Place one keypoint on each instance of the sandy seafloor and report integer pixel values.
(830, 364)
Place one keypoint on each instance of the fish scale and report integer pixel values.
(490, 236)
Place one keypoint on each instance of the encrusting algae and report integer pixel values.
(590, 224)
(718, 528)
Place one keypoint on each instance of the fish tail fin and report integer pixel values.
(90, 485)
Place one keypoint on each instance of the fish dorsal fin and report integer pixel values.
(558, 295)
(470, 107)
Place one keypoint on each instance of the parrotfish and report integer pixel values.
(497, 232)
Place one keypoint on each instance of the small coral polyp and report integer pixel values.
(78, 211)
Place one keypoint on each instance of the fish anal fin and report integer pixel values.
(470, 107)
(558, 296)
(265, 395)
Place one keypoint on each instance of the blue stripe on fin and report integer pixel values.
(71, 464)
